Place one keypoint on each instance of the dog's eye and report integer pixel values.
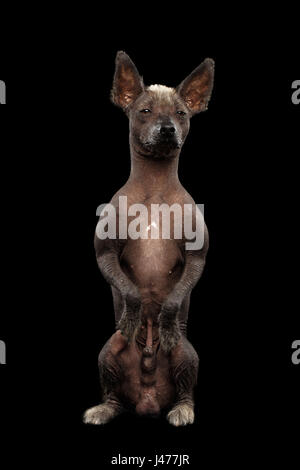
(181, 113)
(146, 110)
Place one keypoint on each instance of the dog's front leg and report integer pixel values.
(168, 318)
(109, 264)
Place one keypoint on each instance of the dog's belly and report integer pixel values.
(147, 393)
(154, 266)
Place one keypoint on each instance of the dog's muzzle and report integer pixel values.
(166, 136)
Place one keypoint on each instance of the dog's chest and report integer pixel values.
(153, 254)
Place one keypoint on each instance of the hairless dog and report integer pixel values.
(149, 365)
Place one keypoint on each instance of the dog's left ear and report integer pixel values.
(196, 89)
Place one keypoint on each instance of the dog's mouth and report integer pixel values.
(163, 143)
(160, 150)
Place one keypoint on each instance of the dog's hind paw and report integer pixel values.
(181, 415)
(100, 414)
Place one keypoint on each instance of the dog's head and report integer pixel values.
(160, 116)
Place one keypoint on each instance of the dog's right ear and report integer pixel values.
(127, 84)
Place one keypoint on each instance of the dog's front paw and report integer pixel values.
(100, 414)
(169, 335)
(128, 325)
(181, 415)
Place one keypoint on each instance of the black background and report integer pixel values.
(65, 151)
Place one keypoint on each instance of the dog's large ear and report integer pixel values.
(127, 84)
(196, 89)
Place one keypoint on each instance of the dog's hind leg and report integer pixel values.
(110, 378)
(184, 366)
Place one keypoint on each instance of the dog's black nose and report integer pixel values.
(167, 130)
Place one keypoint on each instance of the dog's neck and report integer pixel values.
(154, 174)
